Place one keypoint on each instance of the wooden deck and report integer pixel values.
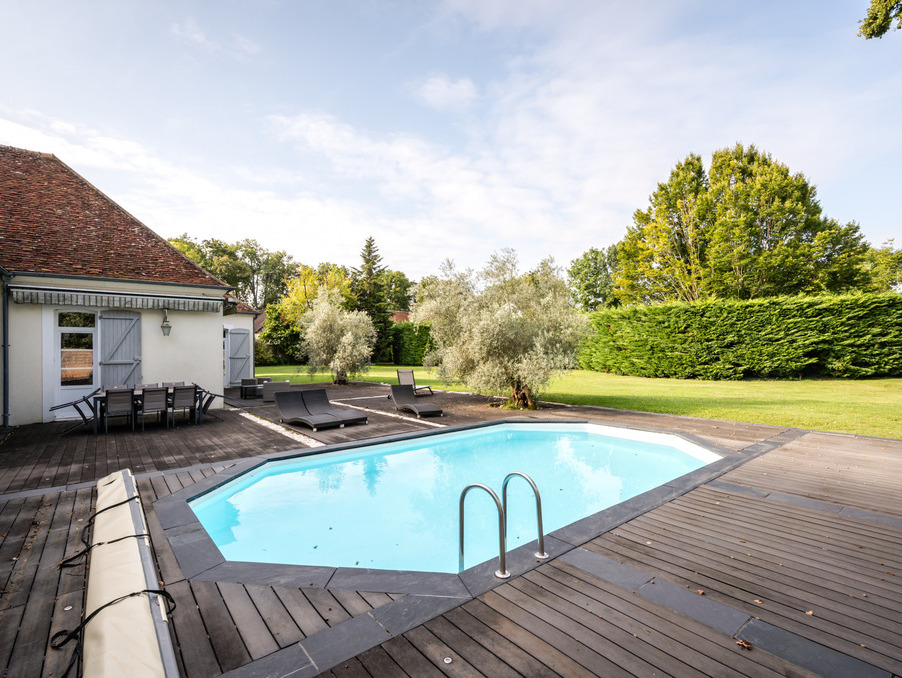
(797, 553)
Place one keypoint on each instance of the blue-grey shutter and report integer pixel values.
(239, 355)
(120, 348)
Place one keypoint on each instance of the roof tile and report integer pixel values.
(53, 221)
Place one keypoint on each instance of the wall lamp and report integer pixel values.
(165, 326)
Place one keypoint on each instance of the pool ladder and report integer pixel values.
(501, 505)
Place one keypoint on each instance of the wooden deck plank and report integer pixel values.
(353, 603)
(467, 648)
(840, 584)
(276, 617)
(62, 619)
(257, 637)
(738, 593)
(352, 668)
(193, 644)
(409, 659)
(436, 651)
(572, 622)
(651, 615)
(541, 647)
(499, 646)
(227, 642)
(301, 610)
(327, 606)
(379, 664)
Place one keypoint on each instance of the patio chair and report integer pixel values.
(205, 398)
(270, 389)
(173, 384)
(119, 403)
(87, 416)
(184, 398)
(154, 400)
(405, 378)
(317, 402)
(117, 387)
(292, 410)
(141, 387)
(250, 388)
(405, 400)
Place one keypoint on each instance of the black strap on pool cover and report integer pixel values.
(61, 638)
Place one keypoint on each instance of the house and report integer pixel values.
(93, 297)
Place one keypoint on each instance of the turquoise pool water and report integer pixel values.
(395, 505)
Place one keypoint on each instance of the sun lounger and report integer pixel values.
(405, 377)
(317, 402)
(292, 410)
(405, 400)
(270, 388)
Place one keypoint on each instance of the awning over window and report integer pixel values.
(101, 299)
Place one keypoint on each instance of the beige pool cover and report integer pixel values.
(130, 637)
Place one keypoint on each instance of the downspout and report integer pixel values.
(5, 277)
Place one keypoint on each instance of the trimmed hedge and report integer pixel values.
(410, 343)
(858, 335)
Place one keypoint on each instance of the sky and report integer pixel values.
(445, 129)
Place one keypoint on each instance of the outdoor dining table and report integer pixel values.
(98, 400)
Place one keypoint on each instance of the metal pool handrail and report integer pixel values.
(541, 554)
(501, 572)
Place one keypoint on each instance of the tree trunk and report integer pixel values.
(341, 377)
(521, 397)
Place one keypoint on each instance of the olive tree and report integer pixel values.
(498, 330)
(335, 339)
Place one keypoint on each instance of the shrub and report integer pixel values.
(410, 343)
(858, 335)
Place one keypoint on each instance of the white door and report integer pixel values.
(120, 344)
(239, 356)
(76, 359)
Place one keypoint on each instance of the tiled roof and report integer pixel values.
(53, 221)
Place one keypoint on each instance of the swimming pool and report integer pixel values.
(394, 505)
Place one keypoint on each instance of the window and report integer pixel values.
(76, 336)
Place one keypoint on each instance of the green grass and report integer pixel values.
(864, 407)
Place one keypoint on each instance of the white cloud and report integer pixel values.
(244, 45)
(443, 94)
(235, 45)
(190, 32)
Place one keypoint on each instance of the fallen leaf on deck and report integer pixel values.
(759, 602)
(744, 644)
(810, 613)
(700, 592)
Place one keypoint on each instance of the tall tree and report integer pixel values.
(335, 339)
(258, 275)
(591, 278)
(879, 19)
(369, 293)
(281, 330)
(884, 267)
(500, 330)
(663, 254)
(398, 290)
(745, 229)
(269, 273)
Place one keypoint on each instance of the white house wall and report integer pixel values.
(193, 352)
(26, 375)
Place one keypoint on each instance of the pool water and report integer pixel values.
(395, 505)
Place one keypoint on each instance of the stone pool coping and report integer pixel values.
(428, 594)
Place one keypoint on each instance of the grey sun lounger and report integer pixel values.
(405, 400)
(406, 377)
(292, 410)
(317, 402)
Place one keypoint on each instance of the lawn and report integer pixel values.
(865, 407)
